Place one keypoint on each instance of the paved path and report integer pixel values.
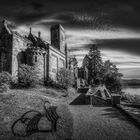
(102, 123)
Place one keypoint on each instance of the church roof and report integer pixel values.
(37, 40)
(5, 26)
(8, 30)
(22, 37)
(32, 37)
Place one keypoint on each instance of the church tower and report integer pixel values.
(58, 37)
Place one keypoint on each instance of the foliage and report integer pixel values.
(4, 87)
(55, 84)
(27, 76)
(99, 72)
(5, 81)
(73, 62)
(5, 77)
(134, 99)
(93, 62)
(66, 78)
(111, 77)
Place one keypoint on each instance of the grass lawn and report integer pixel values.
(102, 123)
(16, 102)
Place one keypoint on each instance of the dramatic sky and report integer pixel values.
(114, 25)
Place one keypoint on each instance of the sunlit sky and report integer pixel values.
(114, 25)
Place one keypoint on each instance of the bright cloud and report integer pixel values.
(121, 59)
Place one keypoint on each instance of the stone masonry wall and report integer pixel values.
(37, 58)
(5, 51)
(55, 63)
(19, 47)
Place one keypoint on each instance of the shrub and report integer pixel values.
(54, 84)
(27, 76)
(113, 84)
(4, 88)
(14, 82)
(134, 99)
(66, 78)
(5, 77)
(111, 77)
(5, 81)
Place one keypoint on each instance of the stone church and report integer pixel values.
(33, 50)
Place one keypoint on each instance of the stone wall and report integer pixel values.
(62, 40)
(37, 58)
(19, 46)
(57, 60)
(5, 51)
(58, 37)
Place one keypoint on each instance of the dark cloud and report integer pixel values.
(37, 5)
(97, 14)
(118, 13)
(127, 45)
(81, 48)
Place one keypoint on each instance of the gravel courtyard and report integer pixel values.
(101, 123)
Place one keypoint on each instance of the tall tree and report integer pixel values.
(106, 73)
(93, 62)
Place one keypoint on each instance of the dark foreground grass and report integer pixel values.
(15, 103)
(65, 123)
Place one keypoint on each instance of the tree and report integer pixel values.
(93, 62)
(106, 73)
(73, 63)
(111, 77)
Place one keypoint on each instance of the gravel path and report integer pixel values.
(101, 123)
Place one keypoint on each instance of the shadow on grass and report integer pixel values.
(82, 99)
(114, 112)
(110, 111)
